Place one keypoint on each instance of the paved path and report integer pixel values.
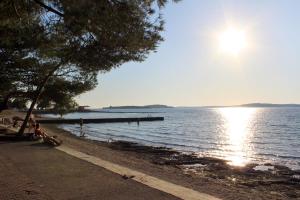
(30, 170)
(153, 182)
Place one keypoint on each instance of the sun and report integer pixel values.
(232, 41)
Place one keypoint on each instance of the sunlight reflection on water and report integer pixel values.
(239, 134)
(236, 134)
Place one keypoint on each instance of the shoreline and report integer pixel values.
(258, 148)
(194, 156)
(204, 174)
(207, 175)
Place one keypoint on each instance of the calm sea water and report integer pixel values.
(237, 134)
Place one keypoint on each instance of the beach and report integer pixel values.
(206, 175)
(218, 178)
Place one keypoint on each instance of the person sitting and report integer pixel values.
(46, 138)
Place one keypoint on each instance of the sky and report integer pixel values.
(189, 69)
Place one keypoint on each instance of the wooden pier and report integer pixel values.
(99, 120)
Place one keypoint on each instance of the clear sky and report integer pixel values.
(189, 69)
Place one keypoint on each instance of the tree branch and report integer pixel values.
(49, 8)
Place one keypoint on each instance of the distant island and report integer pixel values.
(257, 105)
(269, 105)
(138, 107)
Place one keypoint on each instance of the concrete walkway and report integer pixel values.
(31, 170)
(153, 182)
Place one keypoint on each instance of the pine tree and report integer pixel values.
(63, 38)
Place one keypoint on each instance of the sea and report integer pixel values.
(240, 135)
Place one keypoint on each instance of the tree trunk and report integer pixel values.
(35, 99)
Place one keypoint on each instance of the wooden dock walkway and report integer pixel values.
(99, 120)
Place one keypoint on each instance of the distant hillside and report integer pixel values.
(138, 107)
(269, 105)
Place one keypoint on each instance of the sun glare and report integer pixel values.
(232, 41)
(237, 134)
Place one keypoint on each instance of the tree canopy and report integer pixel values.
(49, 46)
